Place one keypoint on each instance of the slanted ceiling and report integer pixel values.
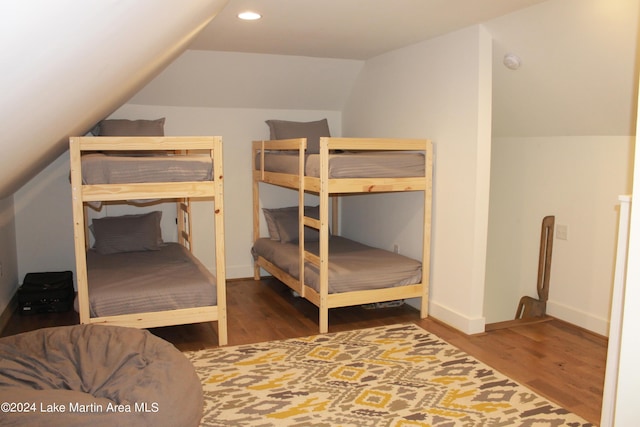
(69, 63)
(578, 75)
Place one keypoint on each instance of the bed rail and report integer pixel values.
(141, 191)
(340, 185)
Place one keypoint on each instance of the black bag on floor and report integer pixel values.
(50, 292)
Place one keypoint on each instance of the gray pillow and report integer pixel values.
(283, 129)
(124, 127)
(272, 226)
(128, 233)
(282, 224)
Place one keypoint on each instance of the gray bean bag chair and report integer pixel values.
(96, 375)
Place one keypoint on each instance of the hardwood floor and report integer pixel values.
(559, 361)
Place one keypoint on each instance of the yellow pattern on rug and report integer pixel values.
(393, 376)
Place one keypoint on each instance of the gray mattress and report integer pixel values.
(352, 265)
(99, 168)
(378, 164)
(136, 282)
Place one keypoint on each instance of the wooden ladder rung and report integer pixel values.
(312, 222)
(312, 258)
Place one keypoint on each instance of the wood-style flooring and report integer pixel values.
(559, 361)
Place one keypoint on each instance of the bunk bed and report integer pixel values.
(130, 277)
(306, 253)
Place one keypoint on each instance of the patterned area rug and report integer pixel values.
(397, 375)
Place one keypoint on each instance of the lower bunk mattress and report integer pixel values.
(353, 266)
(135, 282)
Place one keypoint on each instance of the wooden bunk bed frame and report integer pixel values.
(181, 191)
(327, 188)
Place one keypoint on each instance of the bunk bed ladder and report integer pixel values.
(184, 223)
(183, 208)
(321, 261)
(303, 255)
(426, 228)
(322, 225)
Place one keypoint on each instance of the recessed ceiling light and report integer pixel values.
(249, 16)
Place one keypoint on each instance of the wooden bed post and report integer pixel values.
(426, 238)
(302, 256)
(218, 210)
(256, 176)
(324, 235)
(79, 236)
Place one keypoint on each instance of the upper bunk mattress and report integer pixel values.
(99, 168)
(137, 282)
(353, 266)
(377, 164)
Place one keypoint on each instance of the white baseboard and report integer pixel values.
(467, 324)
(463, 323)
(579, 318)
(440, 312)
(236, 271)
(239, 271)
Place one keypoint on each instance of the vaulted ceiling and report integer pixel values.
(67, 64)
(578, 73)
(347, 29)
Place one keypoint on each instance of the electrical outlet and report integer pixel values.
(396, 248)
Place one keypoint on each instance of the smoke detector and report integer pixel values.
(512, 61)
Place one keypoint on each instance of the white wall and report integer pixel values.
(251, 80)
(626, 399)
(553, 153)
(9, 279)
(439, 89)
(43, 206)
(578, 180)
(44, 225)
(578, 73)
(238, 127)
